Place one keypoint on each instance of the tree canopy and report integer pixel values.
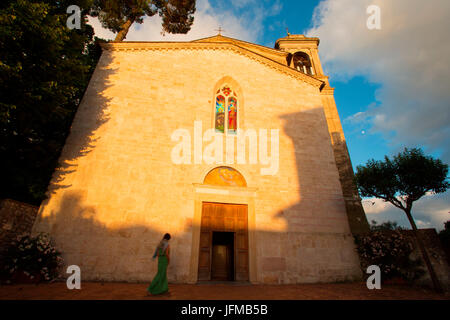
(44, 70)
(404, 179)
(119, 15)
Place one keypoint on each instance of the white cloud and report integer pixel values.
(408, 57)
(357, 118)
(423, 224)
(431, 211)
(247, 24)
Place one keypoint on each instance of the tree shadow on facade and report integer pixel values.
(314, 162)
(90, 116)
(118, 251)
(318, 234)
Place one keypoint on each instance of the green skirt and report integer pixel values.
(159, 283)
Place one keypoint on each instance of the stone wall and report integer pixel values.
(437, 256)
(355, 212)
(118, 191)
(16, 218)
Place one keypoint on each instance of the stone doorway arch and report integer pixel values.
(223, 204)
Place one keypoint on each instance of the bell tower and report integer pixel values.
(303, 55)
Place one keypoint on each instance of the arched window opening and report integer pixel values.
(302, 63)
(226, 120)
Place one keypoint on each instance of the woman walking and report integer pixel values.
(159, 283)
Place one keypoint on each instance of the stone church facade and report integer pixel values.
(233, 148)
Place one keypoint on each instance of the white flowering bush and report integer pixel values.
(391, 251)
(36, 257)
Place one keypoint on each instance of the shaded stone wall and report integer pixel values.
(15, 218)
(355, 212)
(437, 256)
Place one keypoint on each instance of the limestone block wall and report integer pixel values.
(117, 190)
(355, 212)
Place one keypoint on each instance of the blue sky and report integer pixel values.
(352, 95)
(391, 85)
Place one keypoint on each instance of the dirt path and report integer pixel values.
(135, 291)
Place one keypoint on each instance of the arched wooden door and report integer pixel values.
(223, 217)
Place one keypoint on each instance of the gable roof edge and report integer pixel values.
(157, 45)
(241, 43)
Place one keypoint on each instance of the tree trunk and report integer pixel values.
(124, 30)
(427, 260)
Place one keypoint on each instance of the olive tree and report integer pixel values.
(401, 181)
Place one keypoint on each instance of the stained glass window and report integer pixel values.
(226, 90)
(220, 113)
(232, 115)
(226, 110)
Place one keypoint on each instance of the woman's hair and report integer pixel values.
(166, 236)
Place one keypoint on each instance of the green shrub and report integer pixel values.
(390, 250)
(35, 256)
(387, 225)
